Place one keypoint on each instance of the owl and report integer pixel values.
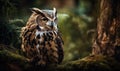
(41, 39)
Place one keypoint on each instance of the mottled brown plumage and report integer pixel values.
(41, 40)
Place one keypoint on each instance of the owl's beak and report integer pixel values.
(52, 24)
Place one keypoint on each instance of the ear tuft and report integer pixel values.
(36, 10)
(55, 11)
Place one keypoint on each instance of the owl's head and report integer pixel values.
(46, 19)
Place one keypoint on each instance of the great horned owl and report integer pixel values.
(41, 40)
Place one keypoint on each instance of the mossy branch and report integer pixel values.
(11, 61)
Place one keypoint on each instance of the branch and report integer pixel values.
(11, 61)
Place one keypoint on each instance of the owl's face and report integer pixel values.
(46, 19)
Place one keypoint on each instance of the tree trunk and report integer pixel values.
(107, 41)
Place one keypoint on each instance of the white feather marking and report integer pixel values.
(44, 32)
(41, 27)
(48, 23)
(56, 26)
(38, 47)
(39, 33)
(40, 39)
(55, 32)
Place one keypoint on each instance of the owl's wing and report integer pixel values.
(59, 43)
(28, 42)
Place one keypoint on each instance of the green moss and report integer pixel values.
(89, 63)
(5, 54)
(92, 63)
(9, 57)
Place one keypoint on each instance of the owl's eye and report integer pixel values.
(44, 19)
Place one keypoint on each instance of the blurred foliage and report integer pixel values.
(9, 35)
(75, 17)
(74, 34)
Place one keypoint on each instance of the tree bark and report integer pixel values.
(107, 40)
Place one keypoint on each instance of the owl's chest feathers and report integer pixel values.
(45, 39)
(45, 35)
